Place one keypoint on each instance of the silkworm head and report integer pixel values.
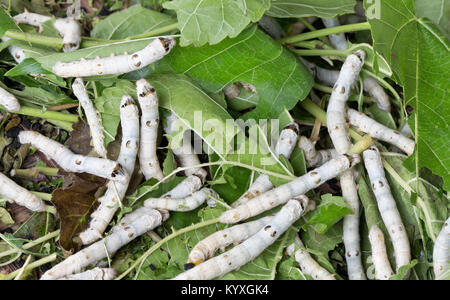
(144, 88)
(167, 43)
(126, 100)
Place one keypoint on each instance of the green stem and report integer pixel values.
(32, 266)
(35, 39)
(165, 240)
(52, 115)
(353, 97)
(321, 52)
(62, 124)
(325, 32)
(31, 244)
(33, 172)
(43, 196)
(312, 28)
(362, 145)
(320, 114)
(155, 32)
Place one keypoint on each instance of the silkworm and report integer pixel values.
(207, 247)
(387, 206)
(9, 101)
(185, 153)
(93, 117)
(115, 65)
(251, 247)
(14, 192)
(31, 19)
(15, 51)
(307, 264)
(379, 131)
(313, 157)
(71, 162)
(181, 204)
(188, 186)
(377, 92)
(107, 247)
(383, 270)
(284, 146)
(337, 128)
(115, 192)
(441, 250)
(148, 101)
(295, 188)
(70, 31)
(337, 40)
(94, 274)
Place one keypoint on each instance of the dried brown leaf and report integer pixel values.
(74, 203)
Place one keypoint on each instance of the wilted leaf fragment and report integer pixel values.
(74, 203)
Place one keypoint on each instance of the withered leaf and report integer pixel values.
(74, 203)
(80, 138)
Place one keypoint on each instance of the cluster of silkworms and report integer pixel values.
(250, 238)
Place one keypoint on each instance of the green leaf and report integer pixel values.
(437, 11)
(420, 58)
(330, 211)
(6, 22)
(130, 22)
(195, 109)
(5, 217)
(308, 8)
(403, 270)
(28, 66)
(381, 116)
(253, 57)
(108, 105)
(211, 21)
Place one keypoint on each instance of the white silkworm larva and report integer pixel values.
(93, 117)
(110, 201)
(295, 188)
(337, 40)
(377, 92)
(387, 206)
(284, 146)
(250, 248)
(336, 122)
(181, 204)
(337, 128)
(94, 274)
(383, 269)
(31, 19)
(315, 158)
(70, 31)
(441, 250)
(148, 101)
(8, 100)
(185, 153)
(115, 65)
(370, 85)
(68, 28)
(14, 192)
(71, 162)
(15, 51)
(351, 236)
(379, 131)
(187, 187)
(207, 247)
(307, 264)
(119, 237)
(287, 140)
